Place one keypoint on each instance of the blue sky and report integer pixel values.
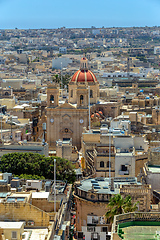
(83, 13)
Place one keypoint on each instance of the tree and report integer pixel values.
(56, 78)
(36, 164)
(65, 79)
(118, 205)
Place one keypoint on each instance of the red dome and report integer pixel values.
(84, 76)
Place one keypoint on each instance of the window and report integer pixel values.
(14, 235)
(123, 168)
(29, 183)
(51, 99)
(101, 164)
(80, 235)
(91, 93)
(71, 93)
(108, 164)
(105, 229)
(81, 99)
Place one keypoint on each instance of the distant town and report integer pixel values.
(80, 133)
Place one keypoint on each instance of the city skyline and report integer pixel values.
(29, 14)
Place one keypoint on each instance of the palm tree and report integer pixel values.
(56, 78)
(64, 81)
(118, 205)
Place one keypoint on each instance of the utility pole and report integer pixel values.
(109, 155)
(61, 81)
(54, 185)
(89, 108)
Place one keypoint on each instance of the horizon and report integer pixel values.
(158, 26)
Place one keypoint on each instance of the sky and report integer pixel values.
(33, 14)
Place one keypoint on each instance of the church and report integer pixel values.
(66, 121)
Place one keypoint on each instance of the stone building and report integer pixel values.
(92, 196)
(66, 121)
(125, 152)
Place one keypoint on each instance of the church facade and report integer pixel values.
(66, 121)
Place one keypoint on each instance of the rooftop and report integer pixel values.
(40, 195)
(11, 225)
(154, 169)
(102, 185)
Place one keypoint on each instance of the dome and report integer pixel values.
(84, 76)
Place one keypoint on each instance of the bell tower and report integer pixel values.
(82, 96)
(52, 95)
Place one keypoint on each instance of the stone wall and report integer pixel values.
(23, 211)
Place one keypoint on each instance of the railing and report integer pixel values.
(135, 216)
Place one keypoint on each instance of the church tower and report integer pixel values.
(52, 95)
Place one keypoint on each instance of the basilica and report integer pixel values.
(65, 121)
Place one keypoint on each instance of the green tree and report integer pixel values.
(118, 205)
(37, 165)
(65, 79)
(56, 78)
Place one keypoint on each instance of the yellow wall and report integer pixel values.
(23, 211)
(8, 233)
(10, 103)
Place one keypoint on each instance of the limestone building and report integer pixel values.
(66, 121)
(92, 196)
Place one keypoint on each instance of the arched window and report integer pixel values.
(91, 93)
(72, 93)
(108, 164)
(81, 99)
(101, 164)
(51, 99)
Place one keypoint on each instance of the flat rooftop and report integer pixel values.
(38, 233)
(40, 195)
(145, 231)
(154, 169)
(11, 225)
(102, 185)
